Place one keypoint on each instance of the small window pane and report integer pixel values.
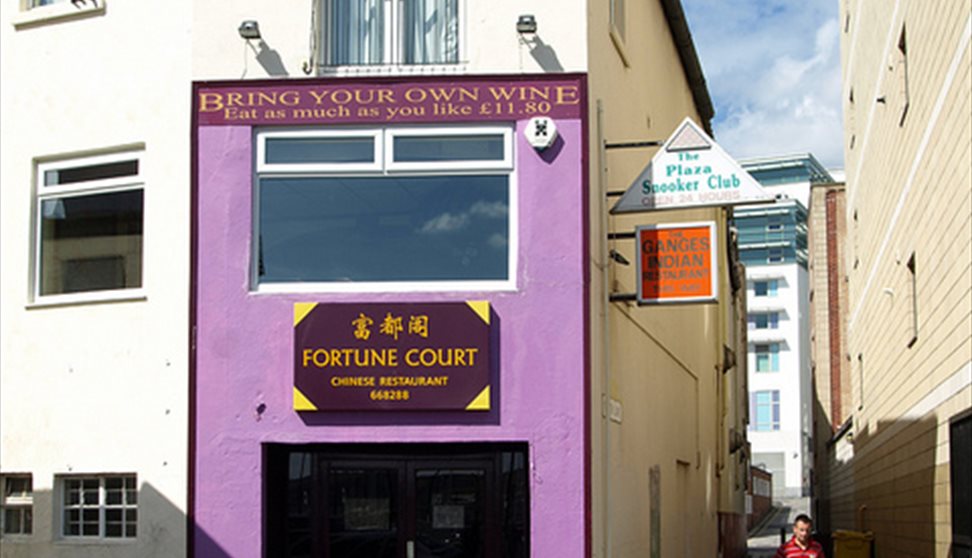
(11, 521)
(90, 494)
(72, 522)
(320, 150)
(414, 149)
(90, 528)
(73, 494)
(91, 242)
(113, 496)
(353, 31)
(431, 32)
(103, 171)
(17, 487)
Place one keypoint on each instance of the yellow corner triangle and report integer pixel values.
(481, 402)
(481, 308)
(301, 403)
(301, 309)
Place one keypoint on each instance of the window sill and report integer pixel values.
(94, 297)
(380, 287)
(92, 541)
(392, 70)
(57, 13)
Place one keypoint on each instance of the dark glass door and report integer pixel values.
(363, 502)
(418, 502)
(449, 510)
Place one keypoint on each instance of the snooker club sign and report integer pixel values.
(690, 170)
(676, 263)
(392, 357)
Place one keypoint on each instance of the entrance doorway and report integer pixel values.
(396, 501)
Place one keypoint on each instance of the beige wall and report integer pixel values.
(660, 364)
(908, 193)
(828, 309)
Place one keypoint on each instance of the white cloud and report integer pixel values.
(446, 222)
(773, 71)
(498, 241)
(493, 210)
(449, 222)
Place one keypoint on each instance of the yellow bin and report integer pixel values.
(852, 544)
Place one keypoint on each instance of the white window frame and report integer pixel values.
(772, 356)
(44, 192)
(506, 163)
(503, 167)
(392, 59)
(102, 506)
(773, 426)
(22, 503)
(265, 167)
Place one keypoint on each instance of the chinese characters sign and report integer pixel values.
(376, 102)
(676, 263)
(355, 357)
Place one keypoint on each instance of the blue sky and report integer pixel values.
(773, 71)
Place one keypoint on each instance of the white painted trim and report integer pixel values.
(919, 155)
(91, 297)
(383, 287)
(506, 163)
(42, 192)
(386, 167)
(881, 66)
(262, 166)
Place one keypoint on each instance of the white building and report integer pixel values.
(773, 246)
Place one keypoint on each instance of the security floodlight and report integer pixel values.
(250, 29)
(526, 24)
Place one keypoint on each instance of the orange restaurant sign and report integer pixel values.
(676, 263)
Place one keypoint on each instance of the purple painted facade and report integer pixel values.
(244, 351)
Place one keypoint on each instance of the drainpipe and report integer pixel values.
(602, 262)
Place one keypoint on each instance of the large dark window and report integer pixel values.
(90, 214)
(384, 206)
(397, 500)
(402, 228)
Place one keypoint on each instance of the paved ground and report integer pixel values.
(763, 543)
